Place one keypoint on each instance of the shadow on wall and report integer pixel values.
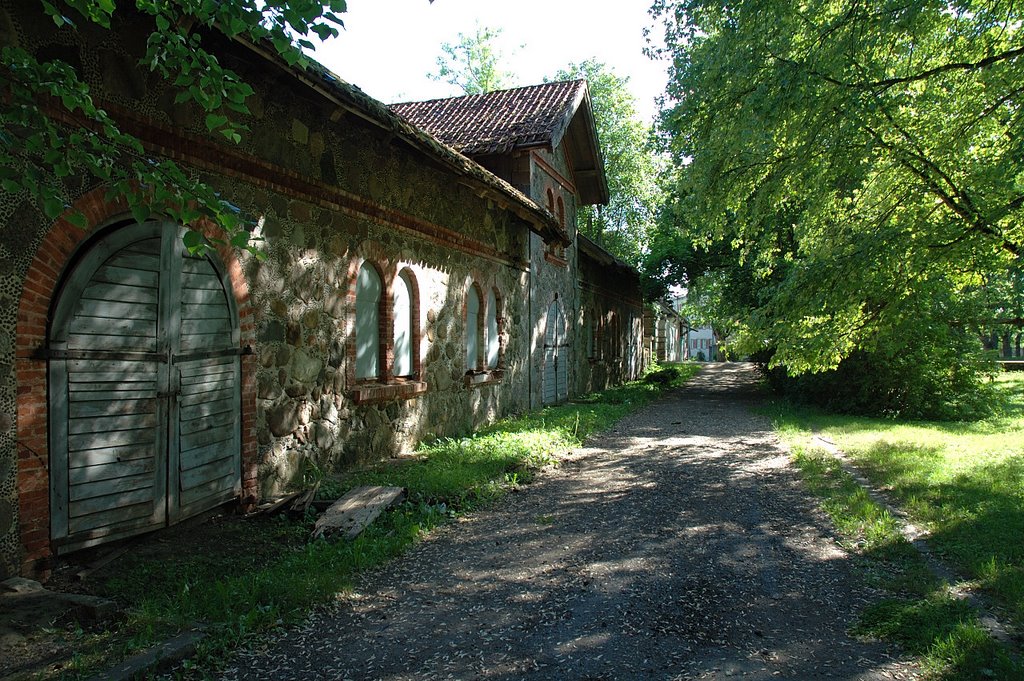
(308, 422)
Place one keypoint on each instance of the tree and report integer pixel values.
(630, 164)
(860, 162)
(473, 63)
(51, 127)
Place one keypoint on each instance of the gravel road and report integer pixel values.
(680, 545)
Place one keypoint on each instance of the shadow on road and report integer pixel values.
(680, 546)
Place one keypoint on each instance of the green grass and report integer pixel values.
(964, 482)
(252, 575)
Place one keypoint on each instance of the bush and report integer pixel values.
(662, 377)
(941, 379)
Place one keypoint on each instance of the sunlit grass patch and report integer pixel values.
(944, 632)
(964, 482)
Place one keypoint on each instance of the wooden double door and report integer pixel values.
(144, 388)
(556, 356)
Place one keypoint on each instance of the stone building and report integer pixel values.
(413, 287)
(667, 332)
(585, 303)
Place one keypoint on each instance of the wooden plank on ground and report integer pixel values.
(354, 512)
(280, 503)
(303, 501)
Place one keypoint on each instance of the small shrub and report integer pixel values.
(662, 377)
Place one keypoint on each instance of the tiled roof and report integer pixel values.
(498, 122)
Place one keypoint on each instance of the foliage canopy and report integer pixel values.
(473, 63)
(849, 174)
(630, 165)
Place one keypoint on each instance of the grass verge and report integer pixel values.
(240, 577)
(964, 482)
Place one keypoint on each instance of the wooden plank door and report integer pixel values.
(144, 414)
(555, 384)
(107, 422)
(207, 409)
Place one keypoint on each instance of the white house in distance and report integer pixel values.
(698, 343)
(703, 345)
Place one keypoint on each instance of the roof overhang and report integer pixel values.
(349, 98)
(578, 133)
(591, 249)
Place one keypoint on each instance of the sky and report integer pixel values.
(389, 46)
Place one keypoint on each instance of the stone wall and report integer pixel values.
(609, 299)
(552, 271)
(330, 191)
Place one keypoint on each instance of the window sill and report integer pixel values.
(372, 393)
(555, 260)
(479, 379)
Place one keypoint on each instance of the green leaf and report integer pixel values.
(140, 212)
(53, 206)
(194, 242)
(215, 121)
(77, 218)
(240, 239)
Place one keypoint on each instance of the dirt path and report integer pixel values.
(678, 546)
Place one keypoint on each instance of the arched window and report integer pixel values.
(472, 329)
(402, 297)
(614, 336)
(561, 212)
(384, 343)
(591, 331)
(368, 290)
(493, 342)
(551, 200)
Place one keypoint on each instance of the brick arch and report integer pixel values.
(56, 252)
(386, 387)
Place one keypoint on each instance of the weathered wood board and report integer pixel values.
(354, 512)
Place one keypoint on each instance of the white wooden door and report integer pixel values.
(144, 388)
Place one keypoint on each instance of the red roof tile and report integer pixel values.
(498, 122)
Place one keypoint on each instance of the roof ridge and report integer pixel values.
(492, 93)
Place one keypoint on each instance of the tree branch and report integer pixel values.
(945, 68)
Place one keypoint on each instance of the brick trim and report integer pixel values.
(388, 269)
(55, 253)
(551, 172)
(481, 379)
(229, 161)
(377, 393)
(555, 259)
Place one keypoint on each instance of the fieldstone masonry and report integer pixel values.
(331, 180)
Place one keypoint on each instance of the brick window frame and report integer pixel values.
(386, 386)
(554, 252)
(480, 374)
